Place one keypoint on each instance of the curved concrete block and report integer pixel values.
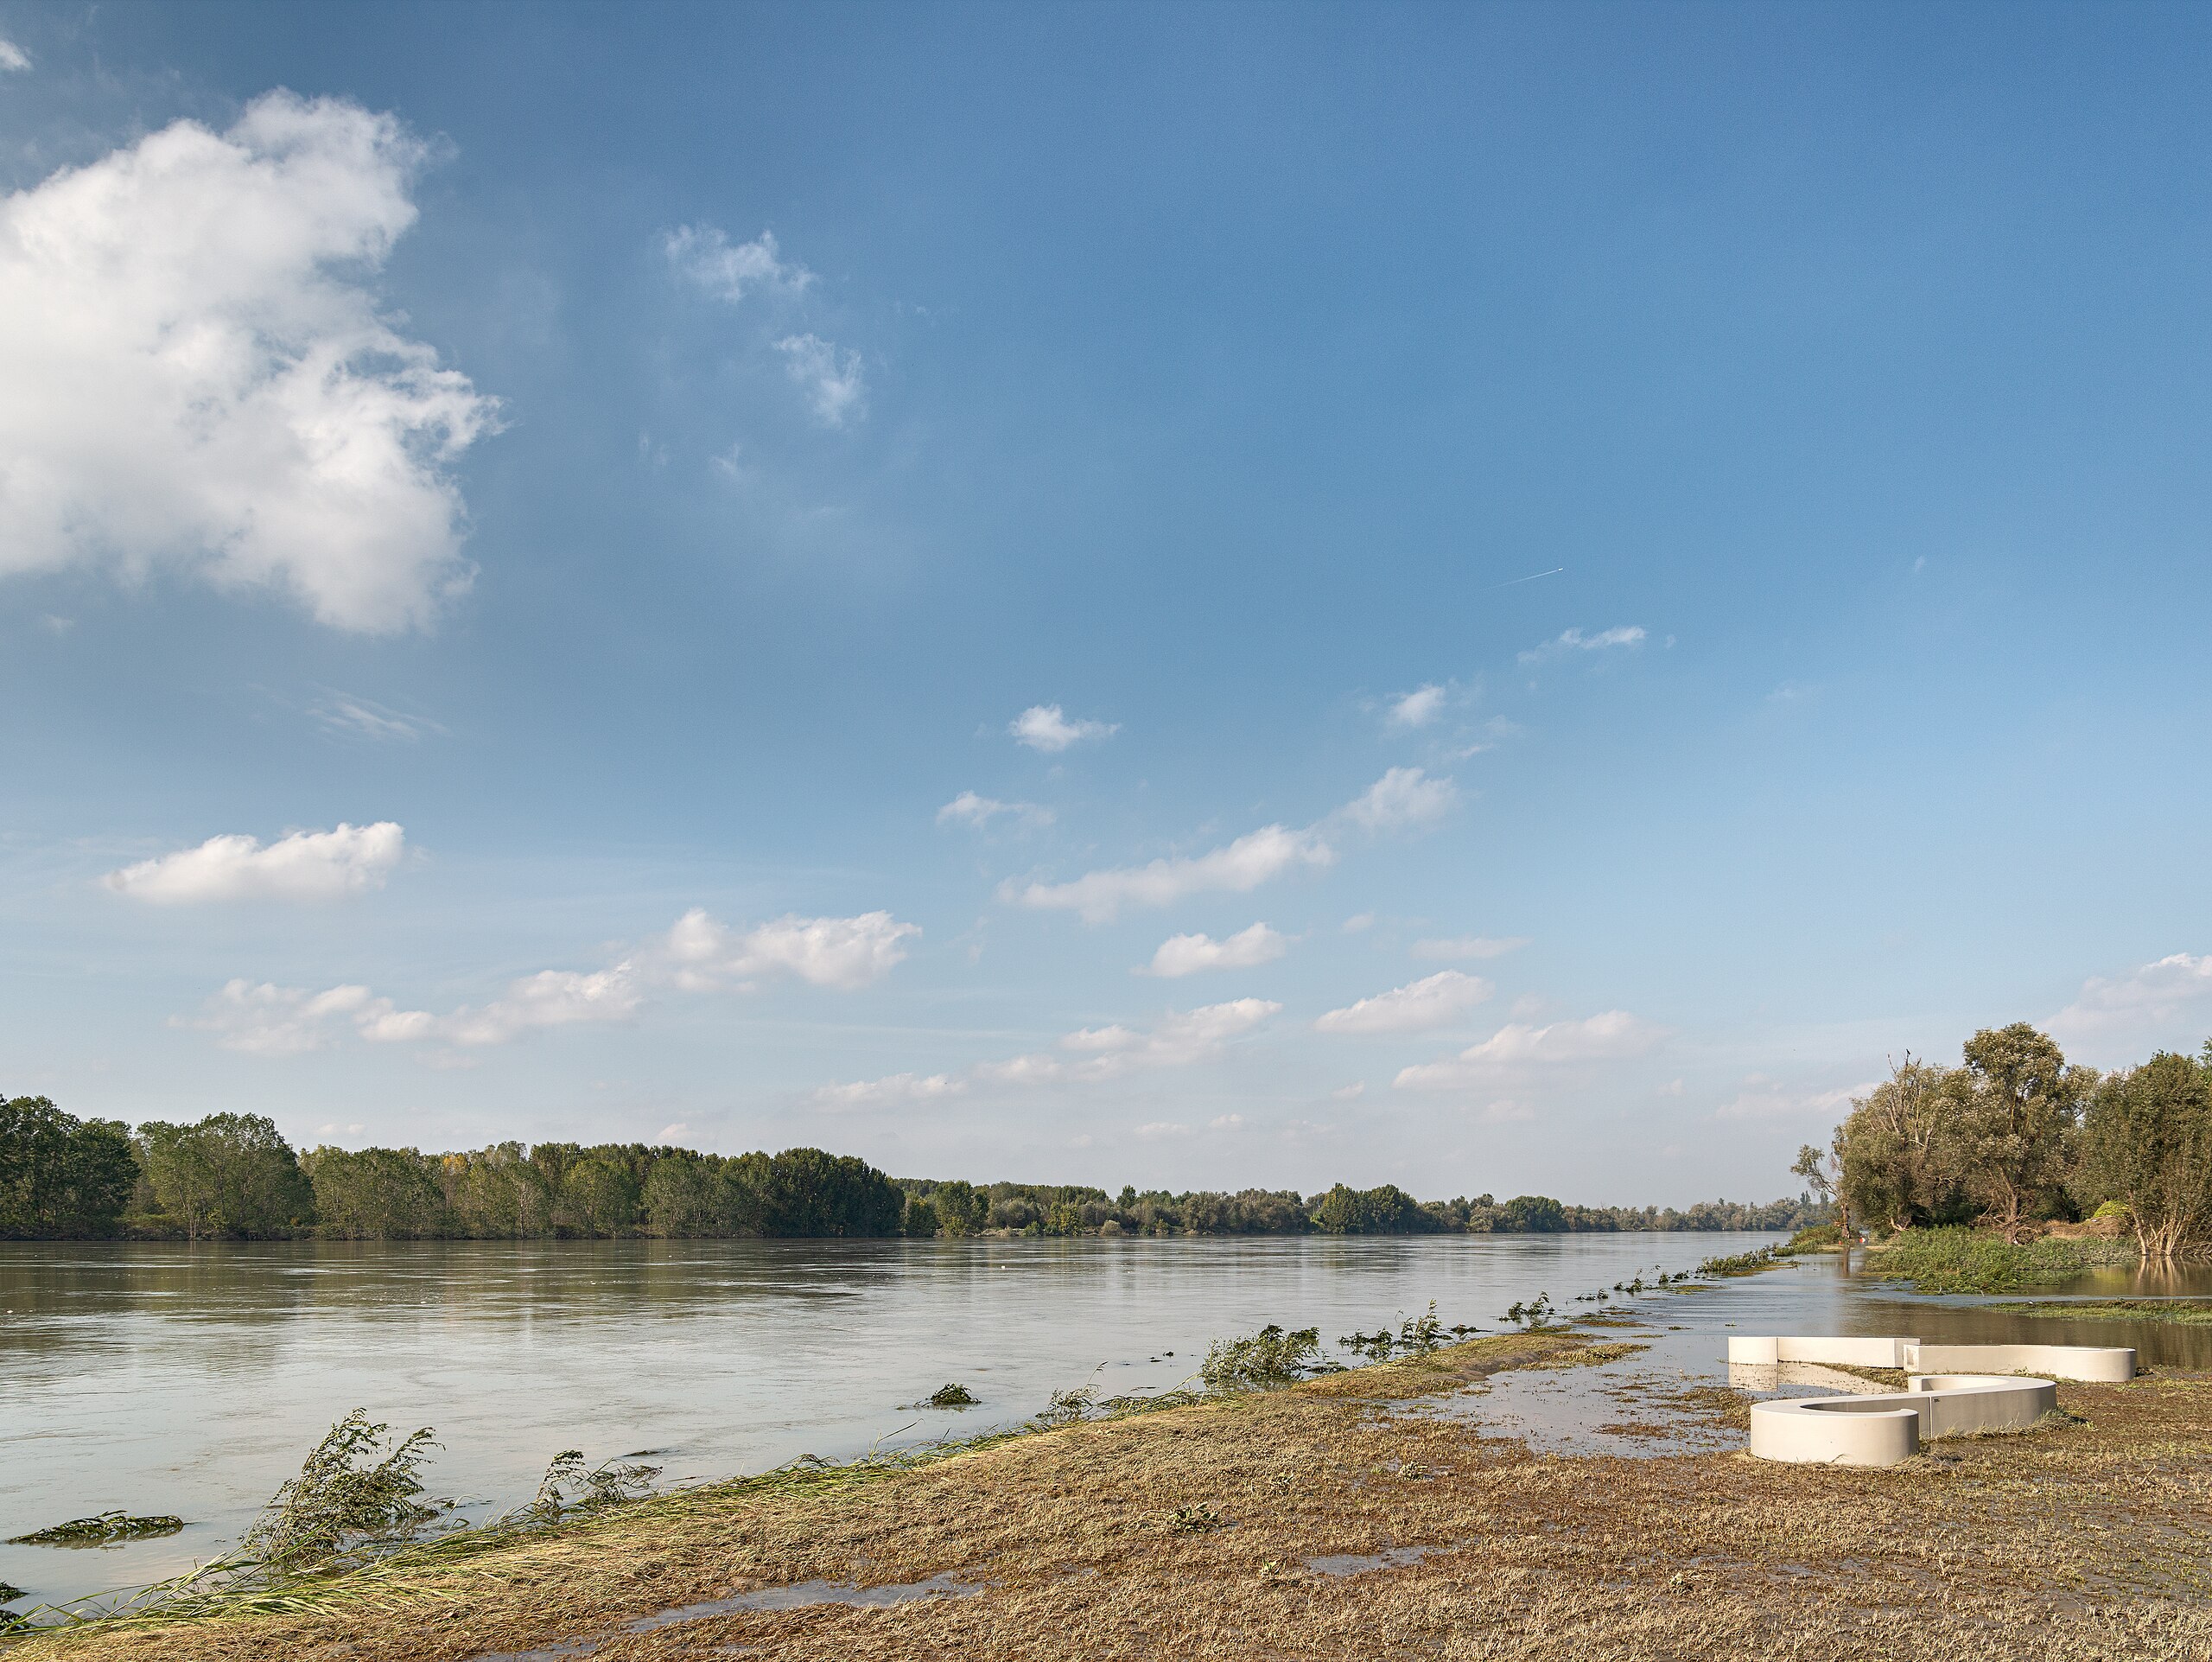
(2085, 1362)
(1885, 1430)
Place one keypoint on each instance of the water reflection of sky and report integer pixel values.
(191, 1379)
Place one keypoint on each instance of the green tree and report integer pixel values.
(496, 1193)
(229, 1174)
(1533, 1214)
(376, 1195)
(961, 1209)
(61, 1177)
(811, 1193)
(600, 1197)
(2147, 1140)
(1899, 1153)
(1387, 1210)
(2017, 1105)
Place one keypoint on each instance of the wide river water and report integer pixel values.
(192, 1379)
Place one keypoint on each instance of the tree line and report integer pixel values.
(234, 1177)
(2016, 1137)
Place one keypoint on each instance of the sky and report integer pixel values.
(1495, 598)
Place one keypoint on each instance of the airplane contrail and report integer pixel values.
(1531, 577)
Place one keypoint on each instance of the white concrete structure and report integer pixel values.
(1835, 1353)
(2086, 1362)
(1885, 1429)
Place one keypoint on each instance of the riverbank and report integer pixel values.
(1345, 1517)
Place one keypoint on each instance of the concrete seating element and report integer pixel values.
(2092, 1363)
(1885, 1430)
(2096, 1364)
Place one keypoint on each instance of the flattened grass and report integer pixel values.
(2090, 1540)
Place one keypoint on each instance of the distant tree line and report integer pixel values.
(2016, 1136)
(234, 1176)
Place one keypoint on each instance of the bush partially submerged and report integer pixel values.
(1416, 1336)
(344, 1498)
(569, 1485)
(952, 1396)
(1268, 1360)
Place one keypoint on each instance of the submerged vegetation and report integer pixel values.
(102, 1528)
(234, 1176)
(1960, 1260)
(2184, 1312)
(952, 1396)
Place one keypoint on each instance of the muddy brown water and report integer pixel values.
(192, 1379)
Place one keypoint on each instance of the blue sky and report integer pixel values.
(1495, 598)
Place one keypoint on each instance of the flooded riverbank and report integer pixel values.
(190, 1381)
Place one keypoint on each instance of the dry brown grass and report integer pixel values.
(2082, 1541)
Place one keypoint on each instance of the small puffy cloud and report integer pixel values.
(1359, 923)
(272, 1021)
(1402, 798)
(701, 954)
(704, 255)
(304, 866)
(1418, 708)
(551, 998)
(897, 1091)
(831, 376)
(1046, 728)
(1506, 1110)
(1180, 1039)
(1352, 1093)
(1436, 1001)
(12, 56)
(1226, 1123)
(1236, 869)
(1463, 946)
(1159, 1131)
(669, 1133)
(2159, 997)
(1518, 1046)
(970, 809)
(1569, 642)
(195, 374)
(1181, 955)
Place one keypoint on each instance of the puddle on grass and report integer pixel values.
(1355, 1564)
(798, 1595)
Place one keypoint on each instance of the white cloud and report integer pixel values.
(1435, 1001)
(894, 1092)
(1226, 1123)
(551, 998)
(1765, 1098)
(669, 1133)
(1236, 869)
(1160, 1130)
(1181, 1039)
(1359, 923)
(304, 866)
(1046, 728)
(728, 271)
(1352, 1093)
(1470, 946)
(1418, 708)
(272, 1021)
(1402, 798)
(830, 375)
(13, 56)
(697, 955)
(1506, 1109)
(195, 373)
(363, 718)
(1181, 955)
(2158, 996)
(1517, 1046)
(970, 809)
(1573, 640)
(701, 954)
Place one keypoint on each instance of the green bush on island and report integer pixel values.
(1954, 1259)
